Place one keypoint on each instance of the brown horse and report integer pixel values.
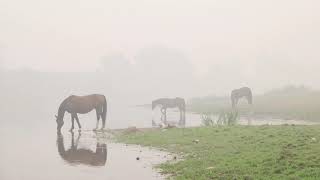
(82, 105)
(84, 156)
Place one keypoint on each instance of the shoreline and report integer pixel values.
(241, 152)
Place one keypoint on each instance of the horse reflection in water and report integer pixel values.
(82, 156)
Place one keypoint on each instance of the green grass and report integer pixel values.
(238, 152)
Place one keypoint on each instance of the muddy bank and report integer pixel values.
(131, 161)
(134, 162)
(198, 123)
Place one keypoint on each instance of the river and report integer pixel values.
(31, 149)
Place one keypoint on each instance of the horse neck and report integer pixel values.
(61, 111)
(156, 103)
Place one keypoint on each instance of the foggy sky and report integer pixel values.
(261, 44)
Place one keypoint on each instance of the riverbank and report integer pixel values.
(236, 152)
(289, 103)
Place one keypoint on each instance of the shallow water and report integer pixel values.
(35, 151)
(85, 155)
(31, 148)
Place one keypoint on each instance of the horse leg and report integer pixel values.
(78, 139)
(235, 103)
(103, 125)
(181, 122)
(98, 148)
(72, 121)
(103, 118)
(104, 110)
(72, 140)
(182, 116)
(78, 122)
(165, 116)
(98, 118)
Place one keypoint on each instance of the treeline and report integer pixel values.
(157, 72)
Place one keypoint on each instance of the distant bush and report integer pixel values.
(225, 118)
(228, 118)
(207, 119)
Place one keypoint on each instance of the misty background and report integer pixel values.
(136, 51)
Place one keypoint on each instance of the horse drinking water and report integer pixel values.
(82, 105)
(166, 103)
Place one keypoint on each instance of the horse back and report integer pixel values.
(88, 98)
(84, 104)
(242, 92)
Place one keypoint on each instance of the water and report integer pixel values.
(32, 150)
(35, 151)
(39, 157)
(120, 117)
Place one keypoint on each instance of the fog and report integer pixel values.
(135, 51)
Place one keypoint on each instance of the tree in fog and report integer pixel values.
(163, 71)
(117, 74)
(116, 64)
(156, 72)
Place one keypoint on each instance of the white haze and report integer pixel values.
(202, 47)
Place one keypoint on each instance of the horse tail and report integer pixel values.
(104, 111)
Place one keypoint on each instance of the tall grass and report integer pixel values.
(225, 118)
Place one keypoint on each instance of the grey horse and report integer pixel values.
(166, 103)
(240, 93)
